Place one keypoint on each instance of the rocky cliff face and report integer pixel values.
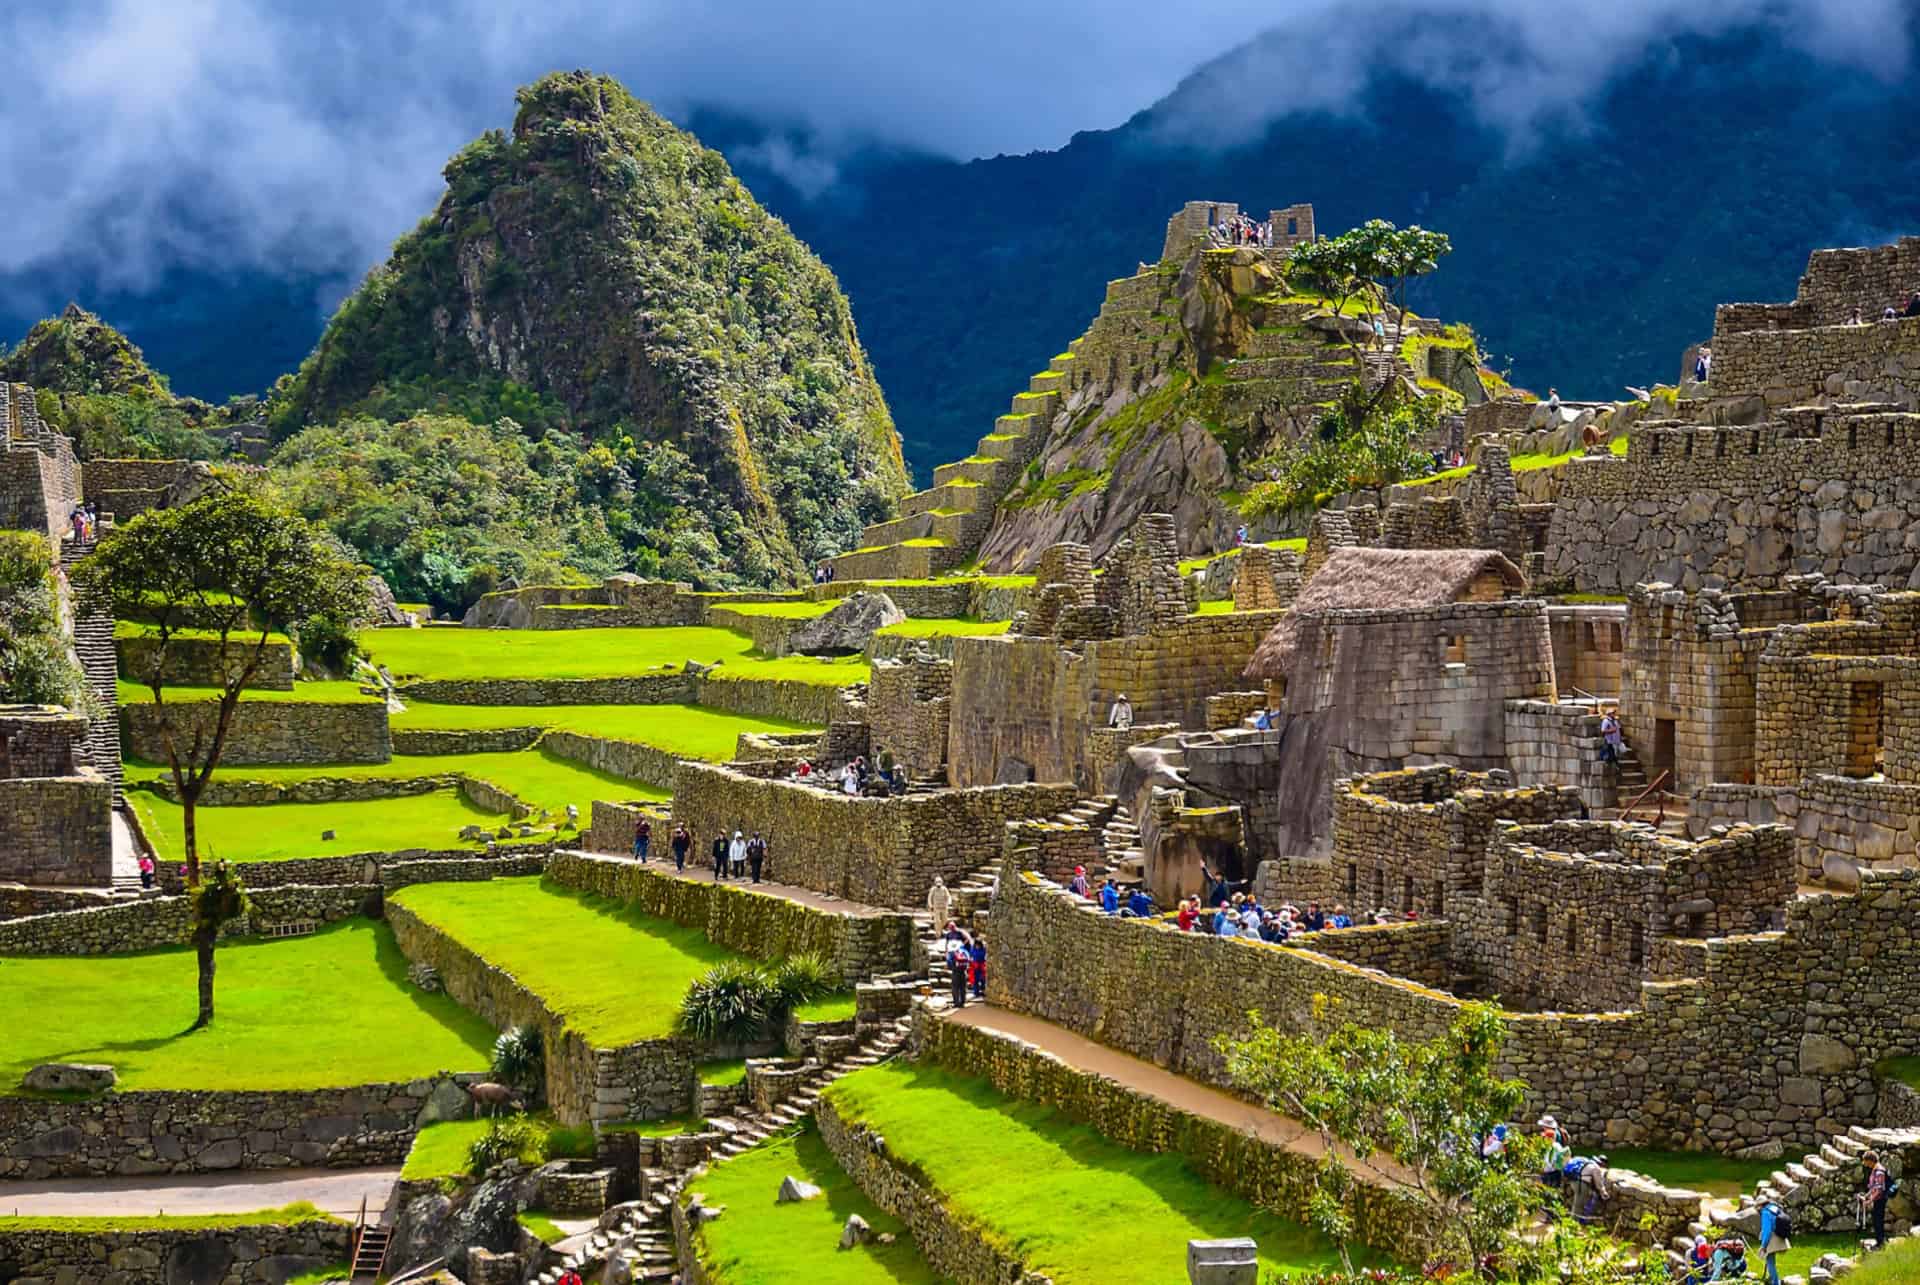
(597, 272)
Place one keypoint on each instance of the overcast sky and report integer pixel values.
(137, 134)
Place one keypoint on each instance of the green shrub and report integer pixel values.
(732, 1002)
(507, 1138)
(802, 979)
(518, 1059)
(570, 1142)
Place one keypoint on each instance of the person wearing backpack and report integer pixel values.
(1776, 1232)
(1873, 1201)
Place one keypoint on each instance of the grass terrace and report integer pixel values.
(762, 1243)
(943, 627)
(1076, 1207)
(455, 653)
(243, 634)
(132, 693)
(287, 831)
(781, 610)
(1190, 565)
(440, 1150)
(615, 975)
(299, 1212)
(1698, 1170)
(1527, 463)
(687, 731)
(331, 1010)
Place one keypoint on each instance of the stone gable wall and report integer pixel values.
(743, 920)
(227, 1256)
(880, 852)
(267, 732)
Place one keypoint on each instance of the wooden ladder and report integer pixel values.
(369, 1247)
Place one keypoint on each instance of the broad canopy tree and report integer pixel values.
(229, 569)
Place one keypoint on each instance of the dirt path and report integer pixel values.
(1144, 1077)
(703, 873)
(338, 1191)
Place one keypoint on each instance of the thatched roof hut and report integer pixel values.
(1386, 579)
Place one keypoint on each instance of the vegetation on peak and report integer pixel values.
(602, 281)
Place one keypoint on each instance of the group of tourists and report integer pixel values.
(1448, 459)
(966, 956)
(879, 779)
(85, 520)
(732, 857)
(1892, 312)
(823, 574)
(1238, 229)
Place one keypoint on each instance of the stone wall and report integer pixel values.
(743, 920)
(57, 829)
(265, 732)
(39, 476)
(909, 704)
(1559, 745)
(1261, 1172)
(1420, 952)
(644, 689)
(120, 1134)
(227, 1256)
(1030, 700)
(1843, 825)
(1877, 361)
(204, 662)
(1826, 491)
(480, 740)
(1588, 644)
(813, 704)
(881, 852)
(1785, 1019)
(643, 1080)
(629, 760)
(152, 922)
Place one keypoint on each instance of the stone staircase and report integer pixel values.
(1630, 781)
(641, 1232)
(93, 643)
(941, 527)
(1120, 841)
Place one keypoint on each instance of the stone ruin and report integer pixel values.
(55, 808)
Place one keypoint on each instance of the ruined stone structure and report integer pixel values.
(1191, 224)
(55, 809)
(39, 476)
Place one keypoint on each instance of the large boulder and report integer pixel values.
(848, 628)
(792, 1189)
(499, 611)
(70, 1077)
(382, 607)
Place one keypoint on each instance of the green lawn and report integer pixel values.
(589, 653)
(541, 1224)
(1190, 565)
(1899, 1264)
(129, 693)
(537, 777)
(1056, 1194)
(944, 626)
(615, 975)
(671, 1127)
(1697, 1170)
(288, 830)
(298, 1212)
(724, 1071)
(140, 629)
(784, 610)
(1217, 607)
(333, 1009)
(761, 1243)
(1904, 1069)
(991, 582)
(687, 731)
(837, 1007)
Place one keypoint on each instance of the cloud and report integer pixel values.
(144, 135)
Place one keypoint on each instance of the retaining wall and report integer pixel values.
(151, 922)
(226, 1256)
(265, 732)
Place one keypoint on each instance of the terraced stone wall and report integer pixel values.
(816, 704)
(1549, 744)
(629, 759)
(128, 488)
(737, 917)
(229, 1256)
(204, 662)
(647, 1079)
(485, 740)
(645, 689)
(1877, 361)
(167, 921)
(121, 1134)
(266, 732)
(1264, 1173)
(882, 852)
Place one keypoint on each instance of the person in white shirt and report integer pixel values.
(1120, 715)
(737, 854)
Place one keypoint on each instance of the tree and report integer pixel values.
(227, 570)
(1412, 1113)
(1362, 441)
(36, 661)
(216, 900)
(1372, 264)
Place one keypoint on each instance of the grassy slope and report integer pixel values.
(942, 626)
(535, 776)
(298, 1212)
(1074, 1205)
(784, 610)
(1190, 565)
(1698, 1170)
(688, 731)
(1898, 1265)
(327, 1010)
(589, 653)
(129, 693)
(289, 830)
(615, 975)
(761, 1243)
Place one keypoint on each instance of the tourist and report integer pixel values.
(1340, 917)
(681, 842)
(720, 856)
(1139, 905)
(1553, 399)
(1913, 305)
(1109, 897)
(1120, 713)
(573, 816)
(959, 963)
(1699, 1258)
(1775, 1228)
(1313, 921)
(804, 771)
(570, 1277)
(1240, 537)
(737, 855)
(1556, 1155)
(1612, 743)
(1590, 1178)
(883, 758)
(1078, 884)
(1703, 365)
(146, 871)
(977, 967)
(1379, 332)
(1250, 919)
(1189, 911)
(1222, 917)
(756, 855)
(1218, 890)
(1493, 1145)
(1855, 319)
(1263, 721)
(1889, 314)
(1873, 1201)
(939, 901)
(642, 838)
(850, 779)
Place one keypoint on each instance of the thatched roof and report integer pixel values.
(1355, 578)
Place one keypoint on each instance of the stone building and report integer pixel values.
(39, 476)
(55, 809)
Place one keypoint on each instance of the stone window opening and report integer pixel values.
(1866, 729)
(1573, 934)
(1719, 446)
(1293, 227)
(1513, 916)
(1689, 451)
(1540, 924)
(1655, 438)
(1889, 432)
(1454, 647)
(1636, 946)
(1606, 939)
(1439, 898)
(1853, 436)
(1379, 887)
(1753, 442)
(1664, 736)
(1353, 881)
(1406, 892)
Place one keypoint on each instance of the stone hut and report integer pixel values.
(55, 809)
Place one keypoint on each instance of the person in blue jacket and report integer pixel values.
(1773, 1238)
(1109, 897)
(1139, 904)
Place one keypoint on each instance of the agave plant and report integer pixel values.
(801, 979)
(518, 1059)
(732, 1002)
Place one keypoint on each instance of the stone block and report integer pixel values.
(1223, 1262)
